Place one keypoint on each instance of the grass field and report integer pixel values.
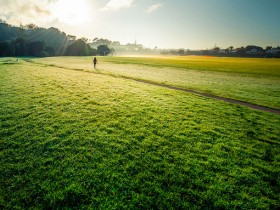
(81, 139)
(252, 80)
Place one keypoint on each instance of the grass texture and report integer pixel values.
(251, 80)
(80, 140)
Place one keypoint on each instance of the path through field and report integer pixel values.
(228, 100)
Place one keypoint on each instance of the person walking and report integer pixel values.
(94, 62)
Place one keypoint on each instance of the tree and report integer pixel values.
(112, 51)
(103, 50)
(92, 51)
(85, 39)
(277, 54)
(71, 37)
(251, 47)
(50, 51)
(2, 21)
(268, 48)
(116, 43)
(31, 26)
(104, 42)
(20, 47)
(35, 48)
(181, 52)
(7, 48)
(78, 48)
(240, 51)
(216, 48)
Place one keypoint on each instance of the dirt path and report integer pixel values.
(228, 100)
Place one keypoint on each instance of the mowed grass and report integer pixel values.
(253, 80)
(80, 140)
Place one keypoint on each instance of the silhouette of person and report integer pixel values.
(94, 62)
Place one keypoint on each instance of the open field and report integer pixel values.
(252, 80)
(82, 138)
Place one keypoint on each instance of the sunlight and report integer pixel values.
(71, 12)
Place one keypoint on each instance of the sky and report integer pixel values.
(189, 24)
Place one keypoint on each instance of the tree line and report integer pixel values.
(31, 40)
(248, 51)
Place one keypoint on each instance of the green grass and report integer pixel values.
(79, 140)
(267, 67)
(247, 79)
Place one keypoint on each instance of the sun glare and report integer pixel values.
(71, 12)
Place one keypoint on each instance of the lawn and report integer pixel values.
(81, 139)
(251, 80)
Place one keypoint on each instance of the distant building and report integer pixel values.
(232, 51)
(253, 50)
(273, 51)
(223, 51)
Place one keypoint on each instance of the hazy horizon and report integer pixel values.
(185, 24)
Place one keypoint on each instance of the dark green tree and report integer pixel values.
(268, 48)
(92, 51)
(50, 51)
(240, 51)
(20, 47)
(78, 48)
(103, 50)
(7, 48)
(181, 52)
(35, 48)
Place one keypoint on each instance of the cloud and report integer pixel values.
(40, 10)
(25, 12)
(153, 8)
(117, 4)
